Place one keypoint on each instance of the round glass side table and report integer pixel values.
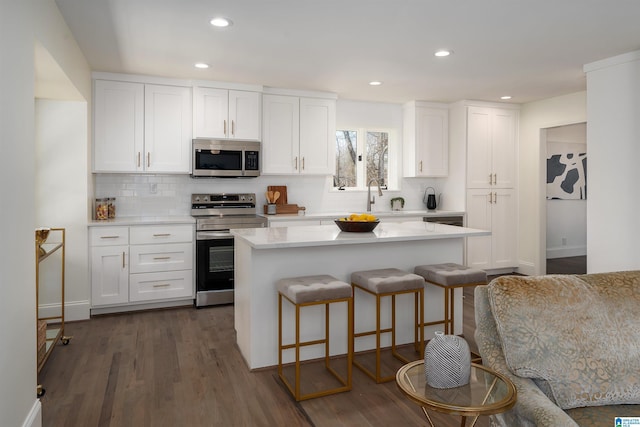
(487, 393)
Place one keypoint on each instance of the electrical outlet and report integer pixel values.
(564, 241)
(153, 188)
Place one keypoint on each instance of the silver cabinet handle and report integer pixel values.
(162, 235)
(490, 197)
(148, 159)
(420, 165)
(233, 127)
(490, 178)
(296, 166)
(160, 258)
(123, 260)
(164, 285)
(224, 124)
(139, 154)
(109, 237)
(495, 179)
(303, 163)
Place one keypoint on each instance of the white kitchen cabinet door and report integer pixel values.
(210, 112)
(493, 210)
(504, 246)
(491, 145)
(168, 129)
(109, 275)
(317, 136)
(281, 134)
(245, 115)
(479, 217)
(118, 126)
(426, 141)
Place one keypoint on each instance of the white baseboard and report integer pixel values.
(121, 308)
(34, 418)
(73, 310)
(566, 251)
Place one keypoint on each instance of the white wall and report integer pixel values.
(534, 117)
(17, 256)
(134, 197)
(613, 135)
(566, 219)
(61, 193)
(21, 24)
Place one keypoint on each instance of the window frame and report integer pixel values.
(393, 153)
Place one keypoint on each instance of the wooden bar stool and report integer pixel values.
(450, 276)
(383, 283)
(304, 292)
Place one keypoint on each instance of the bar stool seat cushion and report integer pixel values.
(307, 289)
(387, 280)
(451, 274)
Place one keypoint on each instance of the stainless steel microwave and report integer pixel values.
(225, 158)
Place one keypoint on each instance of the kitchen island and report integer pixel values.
(263, 256)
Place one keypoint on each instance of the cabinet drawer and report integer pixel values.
(169, 257)
(154, 286)
(109, 236)
(151, 234)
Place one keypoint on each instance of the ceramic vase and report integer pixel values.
(447, 361)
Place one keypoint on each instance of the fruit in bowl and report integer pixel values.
(358, 222)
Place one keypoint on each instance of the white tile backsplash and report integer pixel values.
(172, 196)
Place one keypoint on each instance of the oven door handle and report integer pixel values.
(213, 235)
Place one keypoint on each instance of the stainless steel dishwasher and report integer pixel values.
(457, 220)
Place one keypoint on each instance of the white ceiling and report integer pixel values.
(528, 49)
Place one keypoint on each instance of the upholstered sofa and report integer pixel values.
(569, 343)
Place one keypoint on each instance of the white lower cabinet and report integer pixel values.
(494, 210)
(109, 275)
(137, 264)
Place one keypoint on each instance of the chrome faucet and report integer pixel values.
(372, 200)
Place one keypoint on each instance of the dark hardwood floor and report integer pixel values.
(568, 265)
(181, 367)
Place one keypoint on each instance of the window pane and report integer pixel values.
(346, 155)
(378, 157)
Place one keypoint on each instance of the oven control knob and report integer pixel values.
(197, 199)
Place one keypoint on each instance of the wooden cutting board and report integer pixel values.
(282, 200)
(286, 209)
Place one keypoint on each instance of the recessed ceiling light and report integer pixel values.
(201, 65)
(505, 97)
(443, 52)
(375, 83)
(221, 22)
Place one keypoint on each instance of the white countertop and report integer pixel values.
(383, 214)
(327, 235)
(144, 220)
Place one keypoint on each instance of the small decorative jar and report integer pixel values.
(112, 207)
(447, 361)
(102, 209)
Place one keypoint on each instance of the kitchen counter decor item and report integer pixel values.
(447, 361)
(397, 203)
(358, 223)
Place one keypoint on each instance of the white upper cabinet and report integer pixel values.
(141, 128)
(491, 145)
(167, 128)
(317, 136)
(118, 126)
(226, 114)
(298, 135)
(426, 140)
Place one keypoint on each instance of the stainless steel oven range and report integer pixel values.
(215, 215)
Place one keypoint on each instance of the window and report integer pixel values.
(361, 156)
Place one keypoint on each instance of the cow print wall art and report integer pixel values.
(567, 175)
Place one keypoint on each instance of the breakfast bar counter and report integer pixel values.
(265, 255)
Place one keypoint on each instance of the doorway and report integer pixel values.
(566, 198)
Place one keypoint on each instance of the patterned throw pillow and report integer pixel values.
(580, 334)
